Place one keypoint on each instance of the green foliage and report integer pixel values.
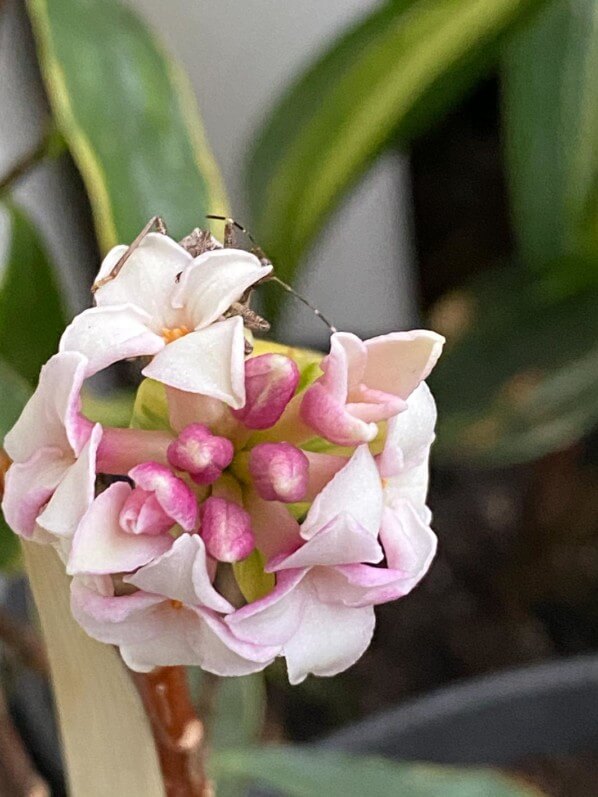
(31, 311)
(300, 772)
(386, 79)
(551, 123)
(523, 379)
(128, 116)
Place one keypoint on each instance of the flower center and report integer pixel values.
(172, 334)
(176, 604)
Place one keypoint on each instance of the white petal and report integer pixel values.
(181, 574)
(106, 335)
(74, 494)
(147, 279)
(330, 638)
(356, 489)
(340, 542)
(29, 485)
(209, 361)
(410, 433)
(214, 281)
(51, 416)
(101, 546)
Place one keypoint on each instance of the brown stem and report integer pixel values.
(23, 641)
(18, 777)
(178, 732)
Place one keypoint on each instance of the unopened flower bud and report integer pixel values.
(159, 501)
(280, 471)
(226, 530)
(202, 454)
(270, 382)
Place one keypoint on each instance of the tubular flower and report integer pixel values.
(169, 305)
(305, 477)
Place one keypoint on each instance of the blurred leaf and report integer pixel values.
(31, 311)
(551, 121)
(150, 410)
(129, 117)
(113, 410)
(389, 77)
(304, 773)
(523, 379)
(14, 391)
(238, 707)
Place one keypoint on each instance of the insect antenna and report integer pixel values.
(156, 222)
(259, 252)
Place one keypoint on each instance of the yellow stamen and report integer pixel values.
(176, 604)
(171, 335)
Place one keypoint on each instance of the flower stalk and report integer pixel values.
(179, 734)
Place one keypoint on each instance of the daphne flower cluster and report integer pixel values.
(260, 504)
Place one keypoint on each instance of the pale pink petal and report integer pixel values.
(270, 382)
(327, 415)
(272, 620)
(274, 528)
(29, 485)
(101, 546)
(122, 449)
(330, 637)
(409, 543)
(398, 362)
(356, 489)
(214, 281)
(341, 541)
(51, 416)
(181, 574)
(173, 495)
(345, 365)
(147, 279)
(106, 335)
(74, 494)
(195, 637)
(322, 467)
(410, 434)
(208, 361)
(115, 620)
(410, 546)
(142, 514)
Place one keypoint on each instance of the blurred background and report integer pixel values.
(406, 163)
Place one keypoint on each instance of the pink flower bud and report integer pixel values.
(280, 471)
(159, 501)
(270, 382)
(226, 530)
(200, 453)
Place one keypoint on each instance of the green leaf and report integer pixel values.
(14, 391)
(129, 117)
(523, 379)
(31, 311)
(304, 773)
(551, 124)
(150, 410)
(388, 78)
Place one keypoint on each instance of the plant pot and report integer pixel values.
(536, 711)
